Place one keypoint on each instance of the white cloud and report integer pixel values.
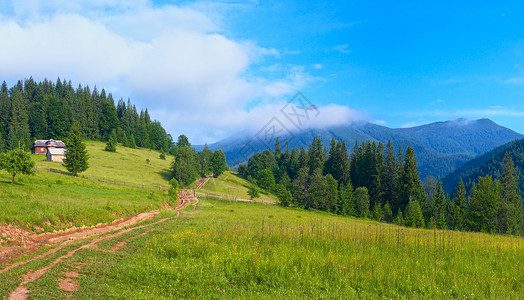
(175, 60)
(380, 122)
(409, 125)
(318, 66)
(342, 49)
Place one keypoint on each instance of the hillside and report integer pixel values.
(48, 201)
(440, 147)
(139, 166)
(33, 110)
(230, 186)
(490, 163)
(233, 250)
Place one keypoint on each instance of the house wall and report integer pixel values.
(58, 158)
(39, 150)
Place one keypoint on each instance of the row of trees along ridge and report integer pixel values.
(45, 110)
(383, 183)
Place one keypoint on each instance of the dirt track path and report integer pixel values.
(64, 238)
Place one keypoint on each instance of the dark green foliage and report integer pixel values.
(76, 155)
(362, 201)
(218, 163)
(182, 141)
(173, 191)
(16, 162)
(410, 185)
(46, 110)
(266, 179)
(490, 163)
(284, 196)
(112, 143)
(346, 204)
(253, 192)
(186, 166)
(414, 216)
(482, 205)
(510, 215)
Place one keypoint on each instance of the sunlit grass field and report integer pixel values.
(50, 201)
(233, 250)
(125, 164)
(231, 186)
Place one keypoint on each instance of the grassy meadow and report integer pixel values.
(230, 186)
(125, 164)
(48, 201)
(234, 250)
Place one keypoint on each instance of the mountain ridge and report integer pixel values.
(440, 147)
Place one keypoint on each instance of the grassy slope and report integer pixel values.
(50, 201)
(126, 164)
(241, 250)
(230, 185)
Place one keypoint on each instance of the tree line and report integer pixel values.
(32, 110)
(383, 183)
(189, 165)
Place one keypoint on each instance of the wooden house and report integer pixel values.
(56, 154)
(42, 146)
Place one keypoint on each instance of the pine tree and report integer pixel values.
(482, 205)
(414, 216)
(301, 187)
(346, 205)
(362, 201)
(390, 177)
(510, 215)
(459, 206)
(277, 152)
(284, 196)
(76, 155)
(411, 187)
(112, 143)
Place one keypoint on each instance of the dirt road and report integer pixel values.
(102, 232)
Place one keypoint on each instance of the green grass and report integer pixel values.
(230, 185)
(249, 251)
(125, 165)
(50, 201)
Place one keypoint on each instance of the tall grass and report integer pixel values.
(239, 250)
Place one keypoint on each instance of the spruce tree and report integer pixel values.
(112, 143)
(76, 155)
(346, 205)
(362, 201)
(459, 206)
(218, 163)
(414, 216)
(510, 215)
(482, 205)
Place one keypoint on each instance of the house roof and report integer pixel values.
(48, 143)
(56, 151)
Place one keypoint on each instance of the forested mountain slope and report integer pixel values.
(33, 110)
(490, 163)
(440, 147)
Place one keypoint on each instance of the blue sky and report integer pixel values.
(210, 69)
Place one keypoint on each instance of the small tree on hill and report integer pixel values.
(17, 161)
(173, 191)
(112, 142)
(253, 192)
(76, 155)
